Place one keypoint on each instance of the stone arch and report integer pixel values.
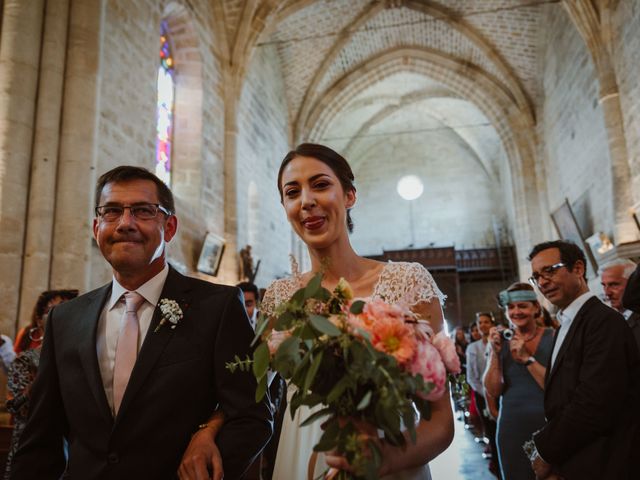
(512, 84)
(403, 101)
(187, 133)
(515, 127)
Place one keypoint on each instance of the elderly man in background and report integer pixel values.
(613, 277)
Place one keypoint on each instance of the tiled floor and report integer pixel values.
(462, 460)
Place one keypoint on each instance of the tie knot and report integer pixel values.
(133, 300)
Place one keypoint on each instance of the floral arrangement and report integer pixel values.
(171, 312)
(363, 362)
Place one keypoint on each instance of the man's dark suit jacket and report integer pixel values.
(631, 296)
(591, 399)
(177, 382)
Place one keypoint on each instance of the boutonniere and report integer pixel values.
(171, 312)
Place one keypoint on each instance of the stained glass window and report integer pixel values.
(166, 93)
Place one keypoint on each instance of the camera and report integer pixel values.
(507, 334)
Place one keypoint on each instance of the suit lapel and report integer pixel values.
(570, 334)
(87, 347)
(175, 288)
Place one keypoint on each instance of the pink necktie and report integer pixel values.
(127, 347)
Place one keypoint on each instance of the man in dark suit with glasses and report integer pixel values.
(591, 386)
(132, 372)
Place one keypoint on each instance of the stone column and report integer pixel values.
(70, 266)
(19, 63)
(42, 194)
(229, 266)
(624, 227)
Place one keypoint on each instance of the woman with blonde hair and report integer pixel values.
(515, 374)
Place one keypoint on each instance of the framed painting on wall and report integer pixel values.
(568, 229)
(211, 254)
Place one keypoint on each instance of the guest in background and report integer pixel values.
(25, 366)
(461, 343)
(251, 297)
(631, 296)
(477, 353)
(31, 336)
(474, 333)
(614, 278)
(516, 373)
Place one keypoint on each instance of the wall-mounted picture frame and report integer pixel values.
(211, 254)
(568, 229)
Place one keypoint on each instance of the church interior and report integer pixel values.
(475, 129)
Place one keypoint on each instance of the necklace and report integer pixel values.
(534, 335)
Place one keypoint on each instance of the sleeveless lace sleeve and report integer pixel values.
(408, 284)
(278, 292)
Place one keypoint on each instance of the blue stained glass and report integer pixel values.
(166, 93)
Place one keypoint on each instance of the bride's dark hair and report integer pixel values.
(332, 159)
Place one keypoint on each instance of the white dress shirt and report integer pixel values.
(565, 317)
(111, 319)
(477, 355)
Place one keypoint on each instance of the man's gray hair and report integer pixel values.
(629, 266)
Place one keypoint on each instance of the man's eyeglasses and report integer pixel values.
(546, 272)
(142, 211)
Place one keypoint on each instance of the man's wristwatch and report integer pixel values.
(529, 361)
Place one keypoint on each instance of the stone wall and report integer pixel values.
(127, 125)
(262, 143)
(571, 122)
(458, 206)
(626, 55)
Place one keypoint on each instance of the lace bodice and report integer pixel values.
(402, 283)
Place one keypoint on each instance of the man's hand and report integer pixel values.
(201, 459)
(541, 468)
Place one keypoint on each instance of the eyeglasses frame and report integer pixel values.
(552, 269)
(158, 206)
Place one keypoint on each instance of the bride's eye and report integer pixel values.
(292, 192)
(321, 185)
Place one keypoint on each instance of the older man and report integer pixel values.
(614, 277)
(592, 384)
(130, 373)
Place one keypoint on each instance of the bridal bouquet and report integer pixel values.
(363, 362)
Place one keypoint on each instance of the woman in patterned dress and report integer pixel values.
(24, 368)
(317, 192)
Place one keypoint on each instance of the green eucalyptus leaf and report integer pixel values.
(312, 288)
(364, 403)
(261, 360)
(329, 438)
(316, 415)
(338, 389)
(284, 321)
(357, 307)
(262, 388)
(323, 325)
(311, 374)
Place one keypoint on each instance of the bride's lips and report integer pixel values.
(313, 223)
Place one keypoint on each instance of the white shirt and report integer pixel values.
(626, 314)
(565, 317)
(111, 319)
(477, 355)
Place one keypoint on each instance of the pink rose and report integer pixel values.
(447, 350)
(276, 337)
(428, 363)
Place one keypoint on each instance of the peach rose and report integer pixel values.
(428, 363)
(447, 351)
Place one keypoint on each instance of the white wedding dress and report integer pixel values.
(400, 283)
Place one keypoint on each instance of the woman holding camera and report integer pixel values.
(515, 374)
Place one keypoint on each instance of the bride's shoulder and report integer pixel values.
(411, 281)
(279, 291)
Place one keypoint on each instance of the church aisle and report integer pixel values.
(462, 460)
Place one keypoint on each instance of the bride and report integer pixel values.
(317, 192)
